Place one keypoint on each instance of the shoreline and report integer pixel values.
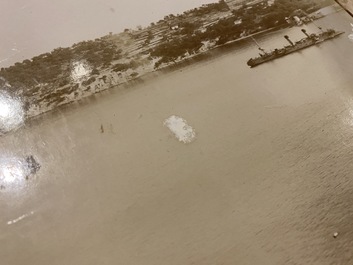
(188, 61)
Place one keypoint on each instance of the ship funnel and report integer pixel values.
(290, 42)
(306, 34)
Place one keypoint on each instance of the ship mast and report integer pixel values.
(288, 39)
(257, 44)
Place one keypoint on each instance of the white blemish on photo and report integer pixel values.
(20, 218)
(180, 128)
(11, 113)
(12, 171)
(80, 71)
(15, 171)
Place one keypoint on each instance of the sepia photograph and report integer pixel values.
(176, 132)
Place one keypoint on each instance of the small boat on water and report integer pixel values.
(306, 42)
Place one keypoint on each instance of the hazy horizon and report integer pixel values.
(32, 27)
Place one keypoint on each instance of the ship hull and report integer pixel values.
(303, 44)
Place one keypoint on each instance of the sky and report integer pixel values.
(32, 27)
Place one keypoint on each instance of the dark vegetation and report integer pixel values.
(55, 67)
(206, 9)
(245, 21)
(122, 67)
(175, 48)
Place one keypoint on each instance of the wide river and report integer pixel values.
(267, 178)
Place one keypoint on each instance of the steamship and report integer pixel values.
(306, 42)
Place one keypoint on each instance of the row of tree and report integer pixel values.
(252, 19)
(56, 66)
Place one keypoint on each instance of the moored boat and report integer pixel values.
(306, 42)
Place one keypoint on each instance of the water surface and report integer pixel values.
(266, 181)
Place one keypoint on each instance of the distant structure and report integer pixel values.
(235, 4)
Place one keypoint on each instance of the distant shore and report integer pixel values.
(109, 79)
(145, 76)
